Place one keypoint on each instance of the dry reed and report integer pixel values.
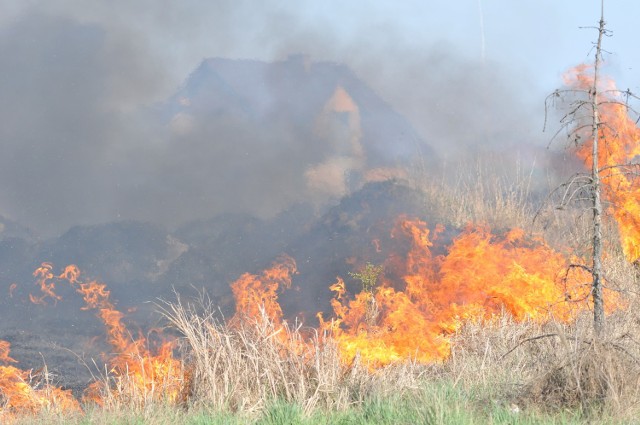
(249, 363)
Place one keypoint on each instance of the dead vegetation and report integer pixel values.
(245, 365)
(482, 190)
(552, 367)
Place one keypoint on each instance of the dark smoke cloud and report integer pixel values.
(79, 78)
(61, 118)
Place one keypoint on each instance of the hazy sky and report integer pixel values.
(539, 39)
(74, 70)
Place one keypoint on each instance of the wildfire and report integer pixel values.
(406, 308)
(617, 156)
(481, 276)
(148, 373)
(22, 392)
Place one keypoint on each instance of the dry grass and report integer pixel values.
(478, 191)
(536, 367)
(137, 393)
(495, 366)
(553, 366)
(245, 365)
(550, 366)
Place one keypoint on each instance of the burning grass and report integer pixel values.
(495, 318)
(500, 371)
(26, 392)
(492, 320)
(248, 364)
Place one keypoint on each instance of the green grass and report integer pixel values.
(439, 404)
(436, 403)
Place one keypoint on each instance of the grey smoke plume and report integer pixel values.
(81, 144)
(62, 117)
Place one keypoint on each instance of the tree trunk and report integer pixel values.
(598, 302)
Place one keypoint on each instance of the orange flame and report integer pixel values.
(19, 397)
(147, 371)
(480, 276)
(5, 348)
(426, 298)
(617, 156)
(44, 277)
(253, 293)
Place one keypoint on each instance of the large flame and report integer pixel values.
(481, 276)
(618, 157)
(409, 311)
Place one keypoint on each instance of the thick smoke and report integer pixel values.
(62, 119)
(82, 143)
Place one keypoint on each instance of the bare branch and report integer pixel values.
(633, 169)
(551, 98)
(533, 338)
(617, 102)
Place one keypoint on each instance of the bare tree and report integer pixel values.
(596, 188)
(584, 119)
